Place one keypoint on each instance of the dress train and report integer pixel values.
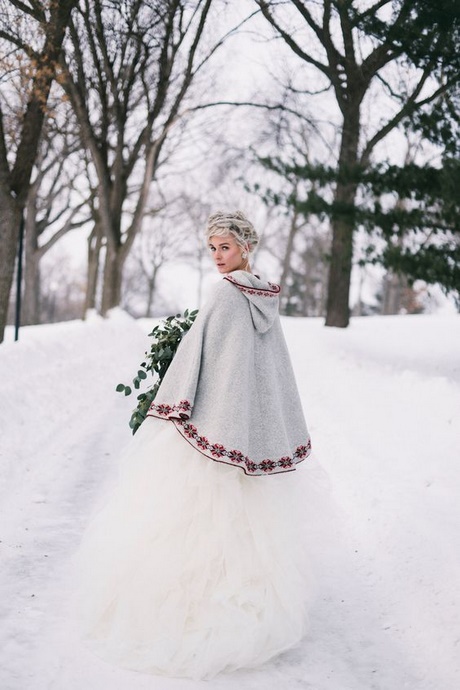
(192, 567)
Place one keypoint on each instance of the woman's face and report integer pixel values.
(226, 253)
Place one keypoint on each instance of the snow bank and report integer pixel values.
(382, 401)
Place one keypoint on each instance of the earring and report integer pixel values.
(243, 255)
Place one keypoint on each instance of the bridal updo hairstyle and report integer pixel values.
(233, 223)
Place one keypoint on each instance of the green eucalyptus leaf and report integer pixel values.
(166, 338)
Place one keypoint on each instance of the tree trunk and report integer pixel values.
(393, 286)
(338, 295)
(94, 250)
(113, 273)
(151, 285)
(287, 254)
(31, 297)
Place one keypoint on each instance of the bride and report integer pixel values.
(198, 561)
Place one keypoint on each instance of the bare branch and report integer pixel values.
(189, 71)
(35, 11)
(370, 12)
(224, 38)
(389, 88)
(150, 162)
(107, 68)
(386, 51)
(67, 227)
(265, 106)
(409, 106)
(41, 85)
(307, 92)
(290, 41)
(319, 31)
(347, 34)
(15, 40)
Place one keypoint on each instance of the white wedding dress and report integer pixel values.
(191, 567)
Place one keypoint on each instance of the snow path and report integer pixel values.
(389, 438)
(382, 400)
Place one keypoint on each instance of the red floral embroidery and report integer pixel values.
(302, 451)
(260, 292)
(202, 442)
(163, 409)
(218, 452)
(236, 457)
(285, 462)
(182, 409)
(267, 465)
(189, 430)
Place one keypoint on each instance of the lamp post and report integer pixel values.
(17, 318)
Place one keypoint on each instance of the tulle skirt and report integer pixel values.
(191, 567)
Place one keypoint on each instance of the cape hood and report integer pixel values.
(230, 389)
(262, 297)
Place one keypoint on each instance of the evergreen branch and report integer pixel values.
(167, 337)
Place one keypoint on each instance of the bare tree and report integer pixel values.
(16, 164)
(61, 288)
(128, 69)
(156, 246)
(300, 247)
(55, 204)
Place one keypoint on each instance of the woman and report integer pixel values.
(198, 561)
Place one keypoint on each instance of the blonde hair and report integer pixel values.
(233, 223)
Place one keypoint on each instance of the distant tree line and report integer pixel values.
(95, 101)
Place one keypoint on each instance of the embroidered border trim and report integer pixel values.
(234, 457)
(181, 410)
(272, 291)
(217, 452)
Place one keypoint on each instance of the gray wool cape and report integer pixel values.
(230, 389)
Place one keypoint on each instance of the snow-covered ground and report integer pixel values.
(382, 400)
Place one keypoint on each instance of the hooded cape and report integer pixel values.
(230, 389)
